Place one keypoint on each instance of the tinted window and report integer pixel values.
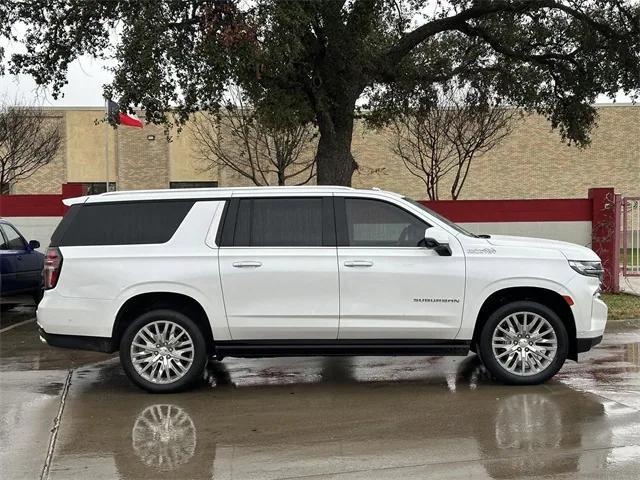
(372, 223)
(58, 233)
(121, 223)
(279, 222)
(13, 239)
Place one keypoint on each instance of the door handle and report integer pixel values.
(358, 263)
(247, 264)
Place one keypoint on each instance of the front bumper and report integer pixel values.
(77, 342)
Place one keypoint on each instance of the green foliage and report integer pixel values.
(313, 60)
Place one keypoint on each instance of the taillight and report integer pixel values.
(52, 267)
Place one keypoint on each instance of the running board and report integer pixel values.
(305, 348)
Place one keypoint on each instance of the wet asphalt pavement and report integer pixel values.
(75, 415)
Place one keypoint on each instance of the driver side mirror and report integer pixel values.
(33, 244)
(435, 238)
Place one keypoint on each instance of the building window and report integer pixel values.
(193, 184)
(96, 188)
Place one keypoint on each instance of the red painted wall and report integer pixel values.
(470, 211)
(476, 211)
(46, 205)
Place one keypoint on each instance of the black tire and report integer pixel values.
(479, 353)
(195, 371)
(489, 358)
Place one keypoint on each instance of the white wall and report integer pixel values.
(574, 232)
(36, 228)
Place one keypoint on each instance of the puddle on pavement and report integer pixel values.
(279, 417)
(273, 418)
(53, 388)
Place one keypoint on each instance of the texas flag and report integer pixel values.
(116, 117)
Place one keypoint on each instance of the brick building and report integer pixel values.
(531, 163)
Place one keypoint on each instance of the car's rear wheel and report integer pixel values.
(163, 351)
(524, 343)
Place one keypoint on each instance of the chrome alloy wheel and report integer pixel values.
(162, 352)
(524, 343)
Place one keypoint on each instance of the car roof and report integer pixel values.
(213, 193)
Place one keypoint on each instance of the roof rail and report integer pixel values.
(222, 189)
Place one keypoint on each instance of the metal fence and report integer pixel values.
(630, 251)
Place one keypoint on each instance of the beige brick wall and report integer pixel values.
(189, 164)
(86, 138)
(50, 177)
(185, 165)
(142, 163)
(531, 163)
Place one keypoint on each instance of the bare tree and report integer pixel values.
(236, 138)
(29, 139)
(443, 138)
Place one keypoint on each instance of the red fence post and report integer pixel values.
(605, 231)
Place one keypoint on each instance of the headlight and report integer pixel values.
(589, 268)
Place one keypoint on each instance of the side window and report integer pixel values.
(374, 223)
(121, 223)
(13, 239)
(279, 222)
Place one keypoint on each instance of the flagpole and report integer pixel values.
(106, 146)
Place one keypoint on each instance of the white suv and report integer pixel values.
(172, 278)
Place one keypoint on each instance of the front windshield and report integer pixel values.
(456, 227)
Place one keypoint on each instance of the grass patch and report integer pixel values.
(622, 305)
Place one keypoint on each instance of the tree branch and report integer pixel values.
(481, 9)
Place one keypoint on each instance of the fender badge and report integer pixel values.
(482, 251)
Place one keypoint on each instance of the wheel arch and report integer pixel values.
(550, 298)
(138, 304)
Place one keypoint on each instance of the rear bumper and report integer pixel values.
(75, 316)
(77, 342)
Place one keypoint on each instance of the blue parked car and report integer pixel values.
(20, 265)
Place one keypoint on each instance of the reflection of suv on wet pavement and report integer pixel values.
(171, 278)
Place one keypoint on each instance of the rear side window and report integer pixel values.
(121, 223)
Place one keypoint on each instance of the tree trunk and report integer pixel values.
(335, 164)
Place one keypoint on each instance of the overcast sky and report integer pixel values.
(86, 77)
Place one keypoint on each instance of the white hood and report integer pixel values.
(570, 250)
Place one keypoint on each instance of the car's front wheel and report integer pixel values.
(163, 351)
(524, 343)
